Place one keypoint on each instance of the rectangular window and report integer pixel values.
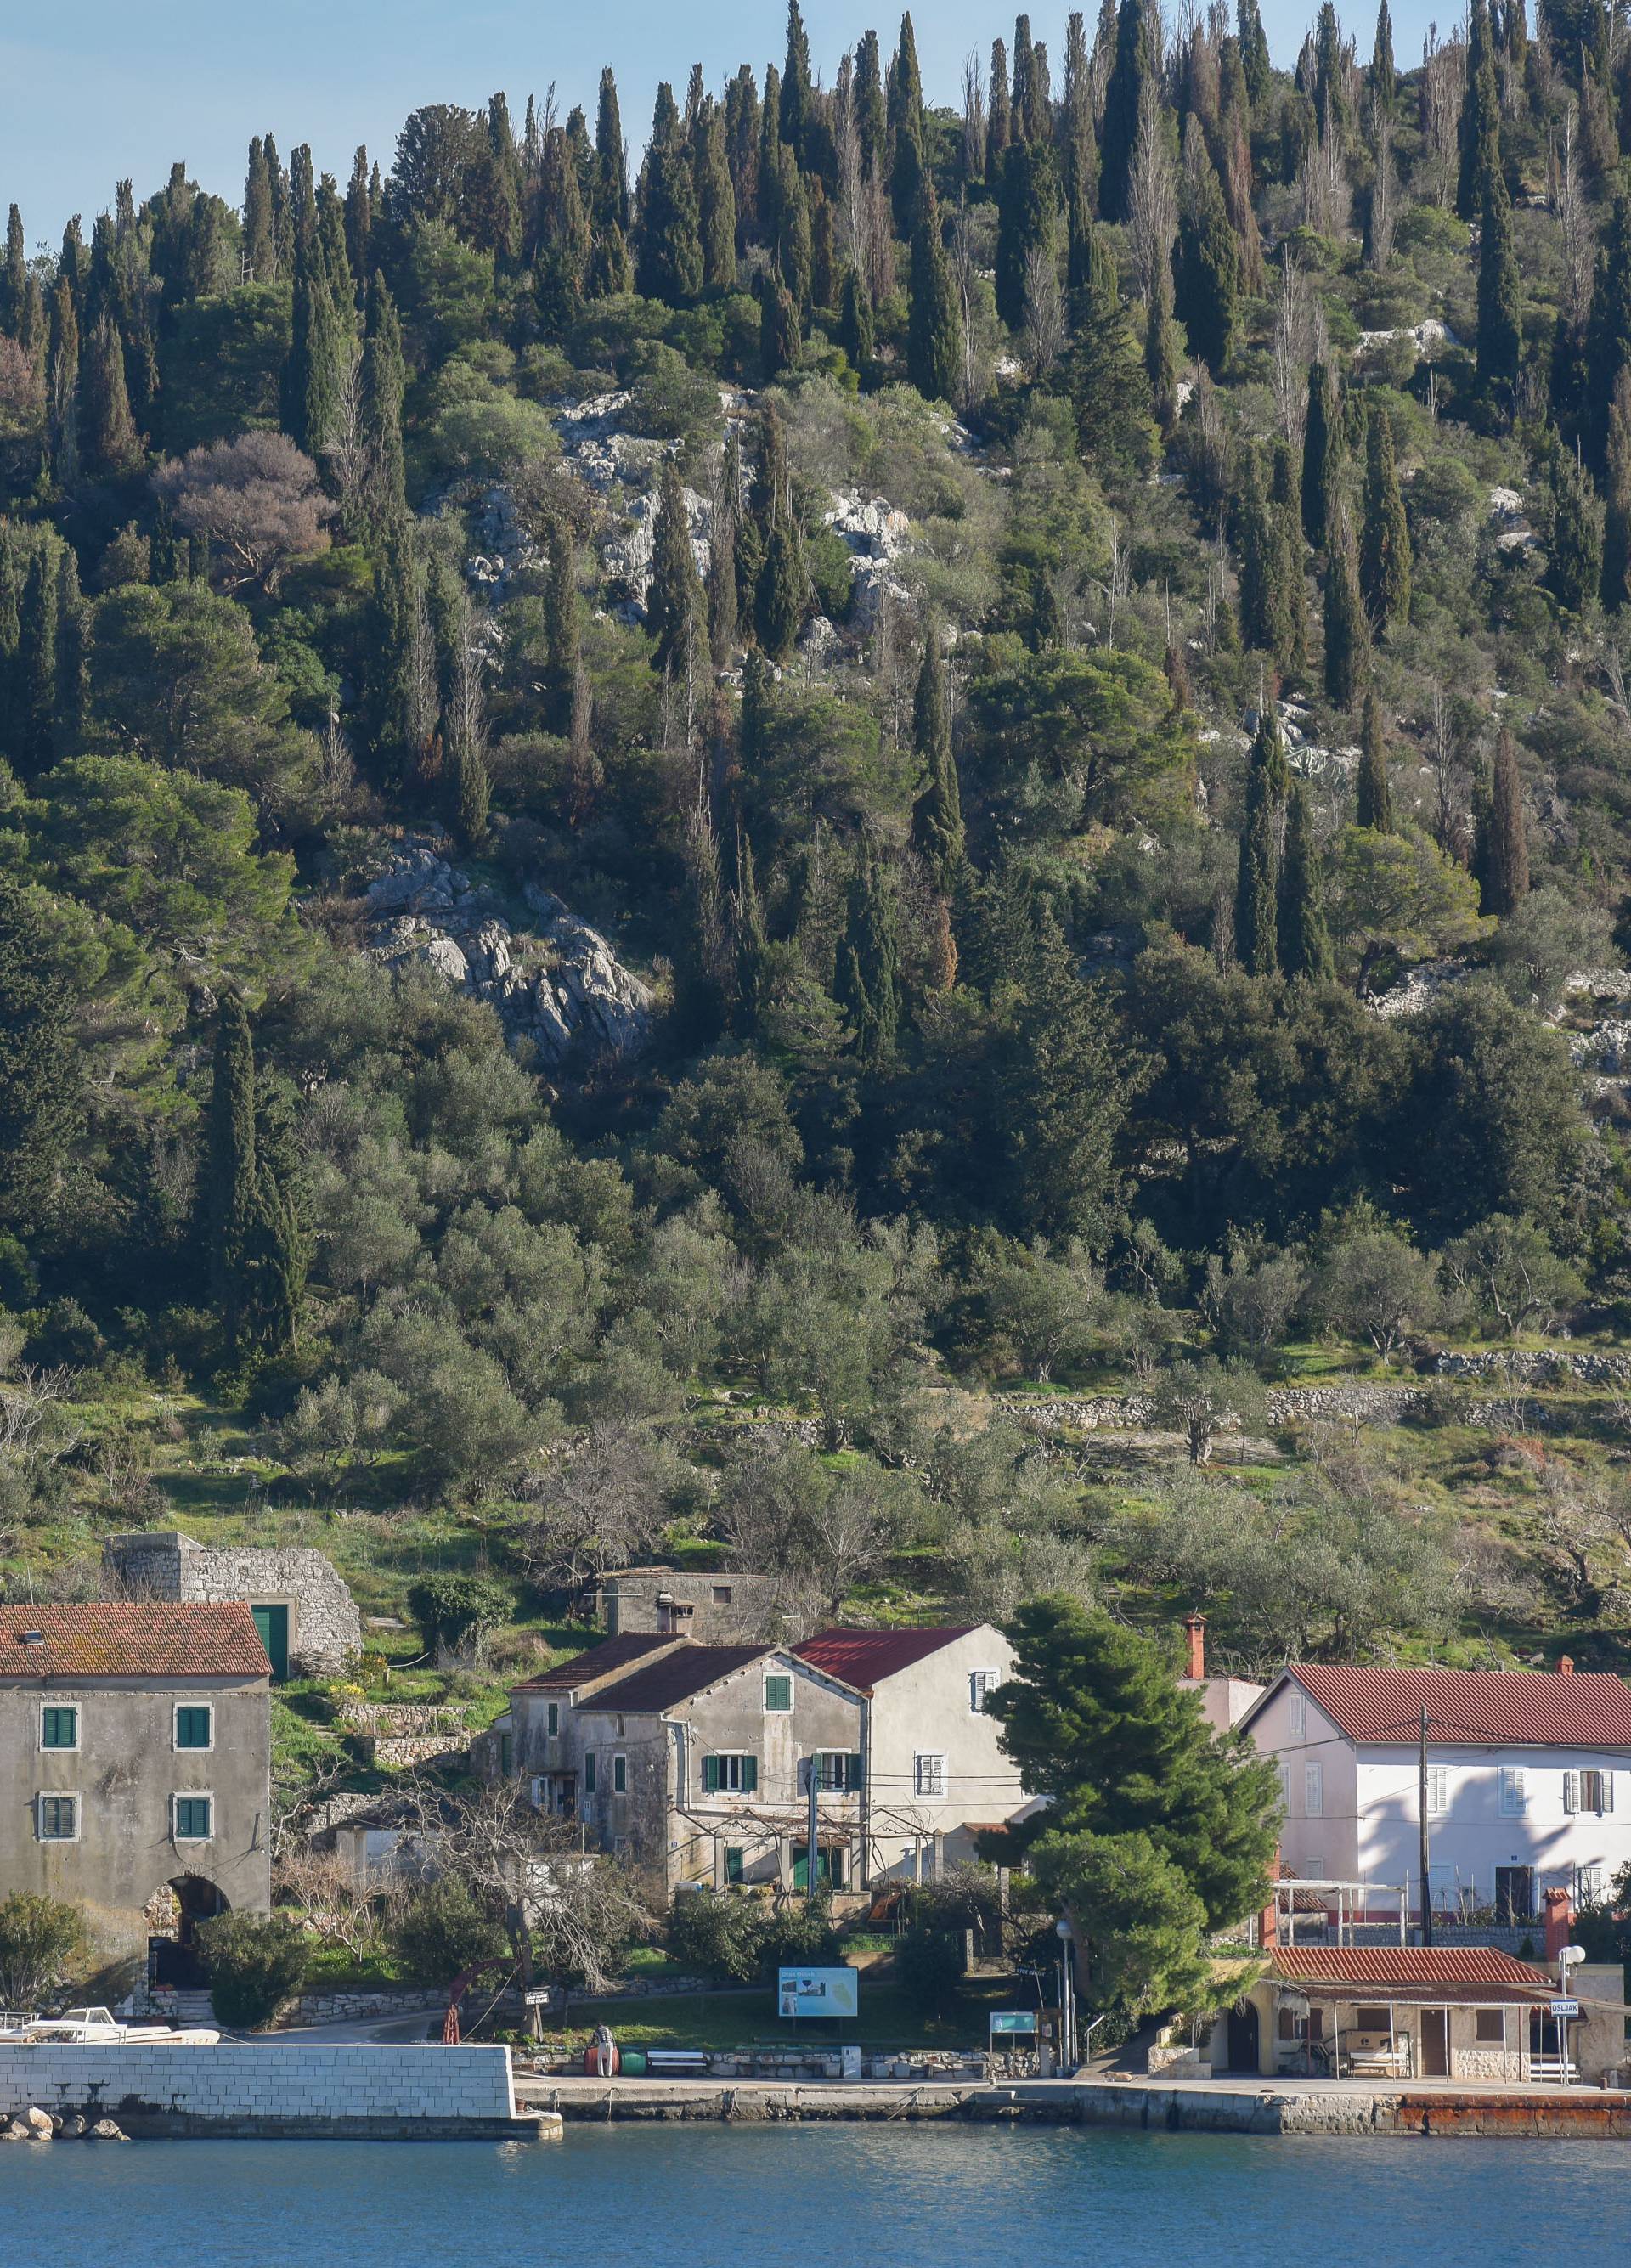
(1296, 1714)
(928, 1775)
(59, 1728)
(193, 1726)
(1490, 2027)
(1313, 1791)
(620, 1775)
(1285, 1787)
(730, 1775)
(722, 1594)
(1437, 1789)
(982, 1683)
(59, 1818)
(837, 1772)
(1588, 1791)
(506, 1755)
(588, 1771)
(552, 1725)
(1372, 2021)
(777, 1696)
(192, 1818)
(1514, 1793)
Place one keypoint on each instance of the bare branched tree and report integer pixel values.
(1153, 208)
(1044, 312)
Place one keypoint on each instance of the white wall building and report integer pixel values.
(1528, 1788)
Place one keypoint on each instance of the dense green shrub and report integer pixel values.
(254, 1964)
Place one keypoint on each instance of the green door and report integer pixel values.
(273, 1625)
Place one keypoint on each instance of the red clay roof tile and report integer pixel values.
(863, 1658)
(1473, 1708)
(152, 1639)
(1405, 1964)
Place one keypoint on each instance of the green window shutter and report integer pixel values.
(711, 1775)
(192, 1728)
(59, 1728)
(858, 1774)
(620, 1775)
(192, 1818)
(734, 1857)
(555, 1718)
(506, 1755)
(778, 1695)
(588, 1772)
(750, 1774)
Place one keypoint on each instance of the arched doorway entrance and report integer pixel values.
(173, 1914)
(1242, 2036)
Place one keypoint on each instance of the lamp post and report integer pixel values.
(1068, 1996)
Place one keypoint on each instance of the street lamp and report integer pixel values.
(1067, 1997)
(1570, 1956)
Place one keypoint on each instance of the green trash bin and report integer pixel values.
(634, 2063)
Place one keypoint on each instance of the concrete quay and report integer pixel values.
(1248, 2106)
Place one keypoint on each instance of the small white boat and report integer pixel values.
(82, 2028)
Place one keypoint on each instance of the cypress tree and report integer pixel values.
(871, 108)
(1384, 536)
(39, 1060)
(1257, 890)
(855, 334)
(381, 382)
(1254, 56)
(749, 939)
(1134, 64)
(62, 387)
(1375, 798)
(1330, 72)
(34, 725)
(310, 398)
(1347, 643)
(790, 238)
(795, 84)
(1575, 553)
(905, 119)
(998, 114)
(721, 587)
(1027, 201)
(563, 645)
(72, 644)
(1079, 142)
(869, 973)
(1161, 354)
(1384, 77)
(780, 340)
(230, 1178)
(1480, 128)
(565, 248)
(1262, 609)
(935, 327)
(109, 439)
(1208, 263)
(823, 248)
(1285, 507)
(1608, 336)
(1305, 938)
(716, 206)
(1322, 456)
(165, 552)
(675, 608)
(611, 173)
(669, 262)
(358, 218)
(1024, 82)
(260, 242)
(1617, 524)
(1108, 388)
(1504, 851)
(937, 829)
(1499, 305)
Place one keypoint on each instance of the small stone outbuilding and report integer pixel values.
(727, 1610)
(307, 1619)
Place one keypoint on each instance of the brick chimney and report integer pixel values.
(1566, 1665)
(1195, 1633)
(1560, 1921)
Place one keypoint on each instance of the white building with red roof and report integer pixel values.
(1528, 1782)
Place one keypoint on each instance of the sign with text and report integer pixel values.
(1018, 2020)
(817, 1992)
(538, 1996)
(1564, 2007)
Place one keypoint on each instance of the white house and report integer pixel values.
(1528, 1783)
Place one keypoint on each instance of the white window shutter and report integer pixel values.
(1608, 1791)
(1571, 1791)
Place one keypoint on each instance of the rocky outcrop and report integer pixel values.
(560, 987)
(878, 535)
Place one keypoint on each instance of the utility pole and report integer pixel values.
(1422, 1807)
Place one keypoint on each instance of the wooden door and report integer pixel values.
(273, 1625)
(1435, 2043)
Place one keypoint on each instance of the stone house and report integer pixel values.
(693, 1762)
(1528, 1783)
(726, 1610)
(1459, 2012)
(306, 1617)
(135, 1765)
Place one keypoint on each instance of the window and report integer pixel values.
(1588, 1790)
(1313, 1791)
(722, 1594)
(777, 1696)
(1515, 1895)
(1374, 2020)
(506, 1755)
(1490, 2027)
(1296, 1713)
(552, 1721)
(734, 1862)
(59, 1728)
(588, 1771)
(1285, 1787)
(1443, 1889)
(192, 1818)
(729, 1775)
(1514, 1793)
(982, 1683)
(928, 1775)
(837, 1772)
(620, 1775)
(1590, 1886)
(195, 1727)
(59, 1819)
(1437, 1789)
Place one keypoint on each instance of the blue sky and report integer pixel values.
(100, 89)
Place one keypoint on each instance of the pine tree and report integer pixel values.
(1257, 891)
(381, 382)
(855, 332)
(907, 168)
(1305, 938)
(1383, 76)
(868, 977)
(1135, 63)
(1617, 522)
(1374, 803)
(1322, 456)
(1500, 299)
(937, 829)
(1384, 536)
(1254, 56)
(1208, 266)
(675, 608)
(935, 327)
(1347, 639)
(1503, 849)
(33, 724)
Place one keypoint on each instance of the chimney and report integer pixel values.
(1195, 1632)
(1560, 1921)
(1566, 1665)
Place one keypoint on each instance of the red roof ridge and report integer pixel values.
(1381, 1705)
(863, 1658)
(118, 1637)
(1407, 1964)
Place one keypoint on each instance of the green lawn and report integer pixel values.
(747, 2019)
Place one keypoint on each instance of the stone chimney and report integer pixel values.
(1566, 1665)
(1560, 1921)
(1195, 1634)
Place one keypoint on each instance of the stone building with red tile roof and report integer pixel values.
(134, 1767)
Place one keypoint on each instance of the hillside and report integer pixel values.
(898, 855)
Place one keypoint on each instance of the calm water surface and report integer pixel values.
(929, 2196)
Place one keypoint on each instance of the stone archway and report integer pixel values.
(173, 1913)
